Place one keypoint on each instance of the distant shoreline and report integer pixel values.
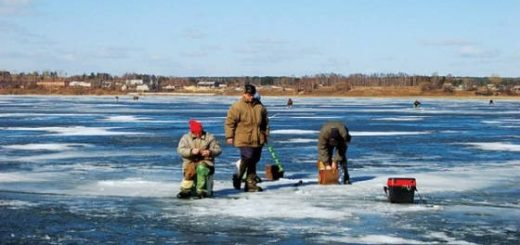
(359, 92)
(411, 97)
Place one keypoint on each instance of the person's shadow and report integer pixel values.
(361, 178)
(297, 183)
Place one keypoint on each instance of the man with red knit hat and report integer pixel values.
(198, 150)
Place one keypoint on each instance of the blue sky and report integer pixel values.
(261, 38)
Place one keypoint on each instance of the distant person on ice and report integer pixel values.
(246, 127)
(334, 135)
(416, 104)
(198, 150)
(289, 103)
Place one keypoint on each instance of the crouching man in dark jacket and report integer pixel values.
(334, 135)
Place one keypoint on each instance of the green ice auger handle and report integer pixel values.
(275, 157)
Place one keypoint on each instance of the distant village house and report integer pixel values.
(168, 87)
(80, 84)
(142, 88)
(107, 84)
(516, 89)
(134, 82)
(208, 84)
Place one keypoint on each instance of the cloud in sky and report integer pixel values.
(114, 52)
(14, 7)
(478, 52)
(448, 43)
(194, 34)
(270, 51)
(464, 48)
(194, 53)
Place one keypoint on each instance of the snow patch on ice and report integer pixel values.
(16, 203)
(507, 120)
(48, 146)
(129, 187)
(293, 131)
(34, 115)
(316, 117)
(125, 118)
(78, 154)
(369, 239)
(298, 140)
(75, 130)
(385, 239)
(405, 118)
(451, 132)
(450, 240)
(462, 179)
(22, 177)
(273, 203)
(375, 133)
(395, 133)
(494, 146)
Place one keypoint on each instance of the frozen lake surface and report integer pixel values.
(96, 170)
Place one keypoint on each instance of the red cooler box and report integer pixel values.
(400, 190)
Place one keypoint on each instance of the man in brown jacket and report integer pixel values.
(246, 128)
(198, 150)
(334, 135)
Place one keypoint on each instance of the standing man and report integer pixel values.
(334, 135)
(246, 128)
(198, 150)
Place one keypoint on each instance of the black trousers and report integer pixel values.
(249, 157)
(341, 150)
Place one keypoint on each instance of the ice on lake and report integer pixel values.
(92, 169)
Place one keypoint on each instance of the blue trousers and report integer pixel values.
(249, 157)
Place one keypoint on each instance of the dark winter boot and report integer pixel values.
(346, 180)
(184, 195)
(236, 182)
(251, 186)
(202, 194)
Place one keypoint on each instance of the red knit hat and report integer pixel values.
(195, 127)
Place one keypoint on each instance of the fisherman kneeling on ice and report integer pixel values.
(198, 150)
(334, 135)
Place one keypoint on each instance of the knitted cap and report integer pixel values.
(195, 127)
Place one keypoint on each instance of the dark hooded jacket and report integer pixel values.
(333, 135)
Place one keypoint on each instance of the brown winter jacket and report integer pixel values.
(247, 124)
(206, 142)
(325, 150)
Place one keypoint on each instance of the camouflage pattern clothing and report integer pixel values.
(198, 169)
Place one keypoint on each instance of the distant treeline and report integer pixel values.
(305, 83)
